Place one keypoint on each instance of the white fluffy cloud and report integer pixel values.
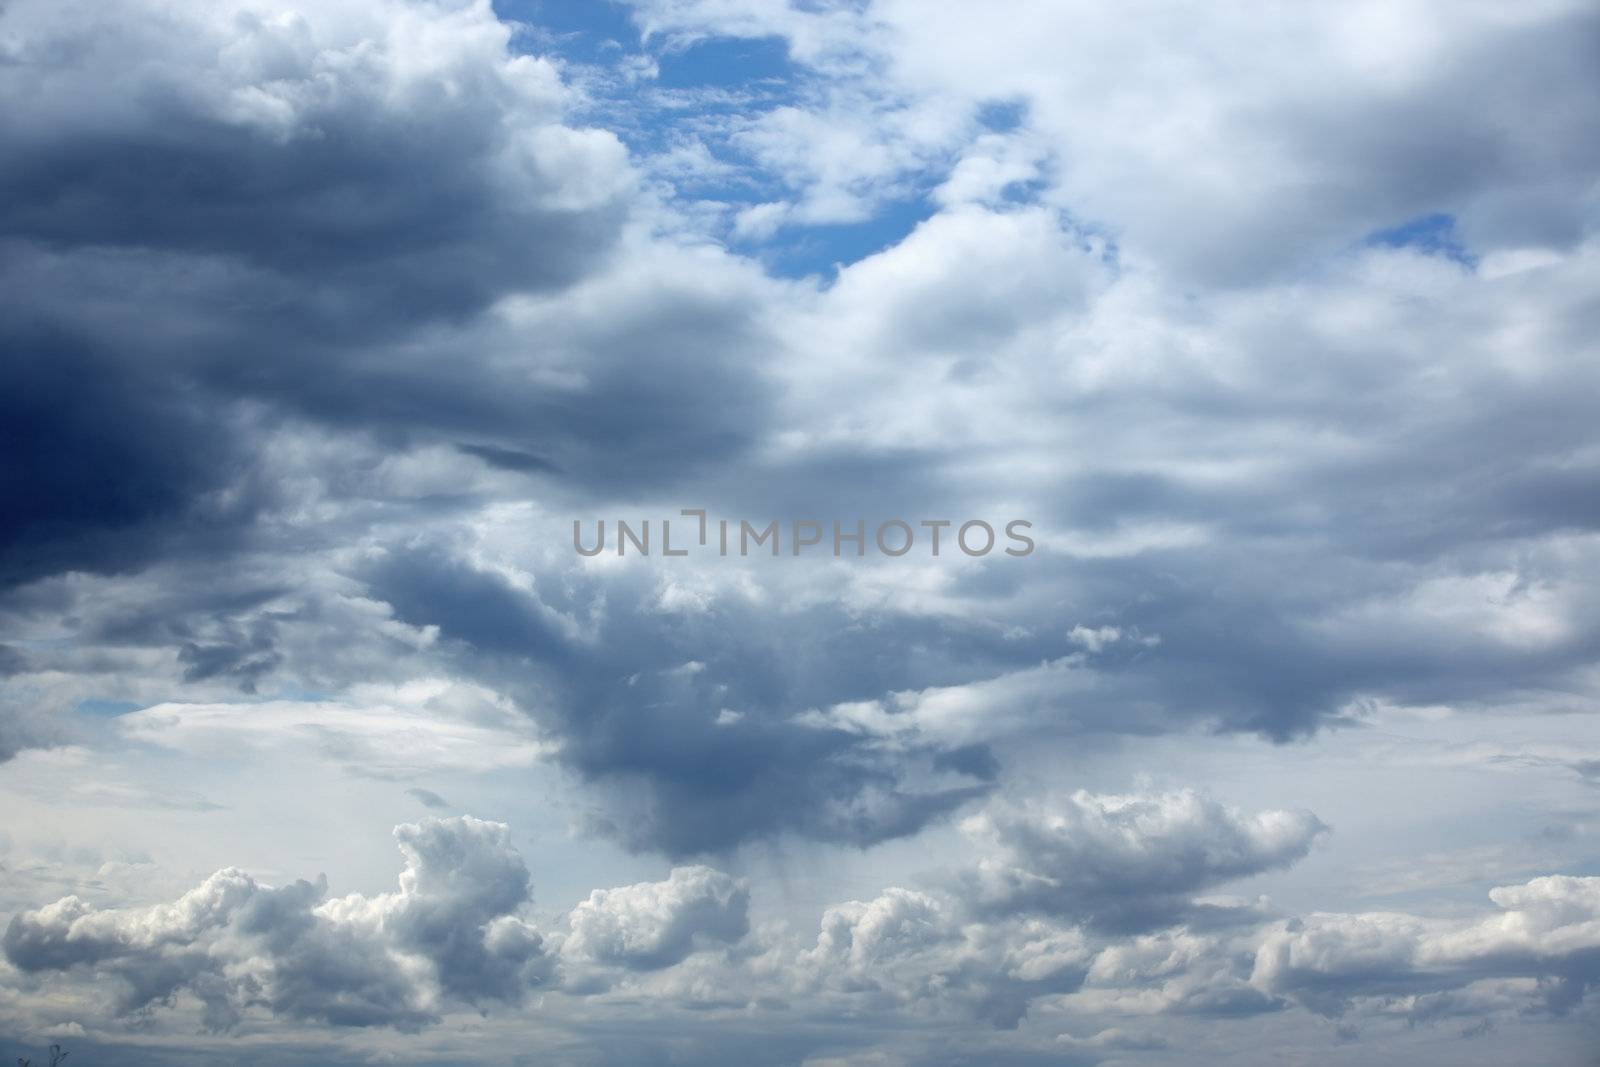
(1548, 928)
(652, 925)
(1222, 145)
(913, 950)
(238, 954)
(449, 935)
(1134, 860)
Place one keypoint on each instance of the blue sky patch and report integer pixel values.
(1433, 234)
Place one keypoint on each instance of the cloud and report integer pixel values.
(1198, 147)
(354, 439)
(373, 143)
(150, 955)
(427, 798)
(429, 724)
(915, 950)
(1180, 972)
(449, 935)
(1059, 901)
(93, 489)
(1112, 1039)
(652, 925)
(334, 178)
(452, 936)
(327, 320)
(1548, 928)
(626, 718)
(1126, 861)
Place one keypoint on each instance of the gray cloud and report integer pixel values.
(113, 466)
(630, 719)
(580, 367)
(427, 798)
(307, 147)
(326, 319)
(295, 196)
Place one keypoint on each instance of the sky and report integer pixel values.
(324, 326)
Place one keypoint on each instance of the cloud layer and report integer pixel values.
(323, 322)
(236, 953)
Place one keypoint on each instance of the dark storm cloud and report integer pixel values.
(177, 250)
(639, 706)
(224, 237)
(244, 658)
(467, 605)
(311, 215)
(411, 200)
(1281, 650)
(106, 463)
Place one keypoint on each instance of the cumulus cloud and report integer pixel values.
(373, 142)
(912, 949)
(334, 177)
(1126, 861)
(908, 948)
(452, 935)
(153, 953)
(652, 925)
(1049, 906)
(1548, 928)
(448, 936)
(1180, 972)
